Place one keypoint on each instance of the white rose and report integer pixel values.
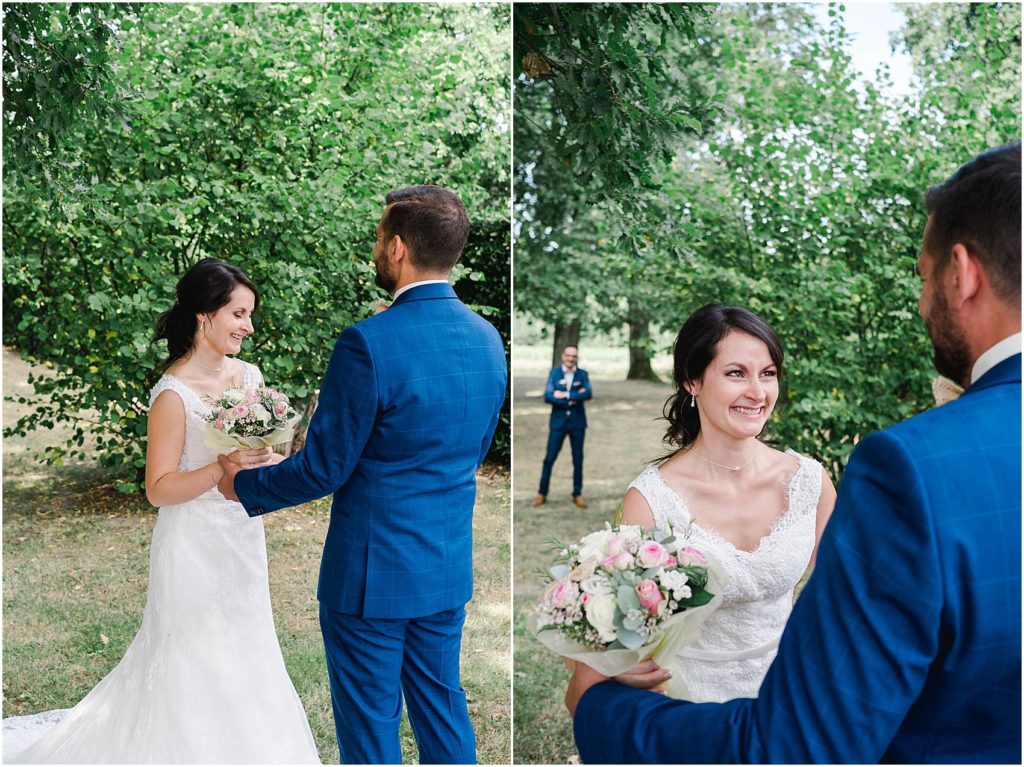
(595, 545)
(233, 396)
(601, 614)
(631, 532)
(596, 585)
(259, 413)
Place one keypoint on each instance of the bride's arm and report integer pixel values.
(165, 433)
(826, 502)
(636, 510)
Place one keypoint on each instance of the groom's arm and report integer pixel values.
(335, 440)
(584, 392)
(853, 658)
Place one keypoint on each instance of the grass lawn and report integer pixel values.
(76, 556)
(622, 435)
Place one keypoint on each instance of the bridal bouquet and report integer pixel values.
(245, 419)
(625, 594)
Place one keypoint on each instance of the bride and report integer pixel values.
(759, 511)
(204, 680)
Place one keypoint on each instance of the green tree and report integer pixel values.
(266, 135)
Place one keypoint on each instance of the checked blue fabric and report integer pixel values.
(407, 411)
(905, 645)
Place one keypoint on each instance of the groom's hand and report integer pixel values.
(226, 484)
(583, 678)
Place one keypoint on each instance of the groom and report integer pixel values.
(905, 646)
(407, 410)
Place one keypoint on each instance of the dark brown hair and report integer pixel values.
(204, 288)
(979, 207)
(695, 348)
(431, 221)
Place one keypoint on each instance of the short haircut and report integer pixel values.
(979, 207)
(431, 221)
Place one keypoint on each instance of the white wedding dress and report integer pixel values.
(736, 646)
(204, 680)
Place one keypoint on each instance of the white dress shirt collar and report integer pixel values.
(993, 356)
(411, 285)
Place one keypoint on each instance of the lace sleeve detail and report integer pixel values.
(165, 383)
(252, 377)
(666, 505)
(804, 488)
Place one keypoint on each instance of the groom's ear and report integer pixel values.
(966, 276)
(400, 250)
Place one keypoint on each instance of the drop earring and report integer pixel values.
(693, 400)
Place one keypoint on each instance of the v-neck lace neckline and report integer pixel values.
(717, 536)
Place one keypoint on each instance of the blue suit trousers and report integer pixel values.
(556, 438)
(374, 663)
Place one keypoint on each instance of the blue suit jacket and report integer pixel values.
(568, 413)
(407, 411)
(905, 646)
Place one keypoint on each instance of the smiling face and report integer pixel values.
(224, 329)
(739, 388)
(569, 357)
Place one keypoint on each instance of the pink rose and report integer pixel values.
(651, 554)
(670, 561)
(563, 593)
(241, 411)
(219, 425)
(650, 595)
(621, 561)
(280, 409)
(584, 598)
(692, 556)
(616, 546)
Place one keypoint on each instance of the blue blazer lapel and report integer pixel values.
(422, 292)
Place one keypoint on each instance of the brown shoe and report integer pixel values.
(540, 500)
(579, 502)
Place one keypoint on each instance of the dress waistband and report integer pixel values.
(695, 653)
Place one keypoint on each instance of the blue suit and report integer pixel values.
(568, 419)
(407, 411)
(905, 646)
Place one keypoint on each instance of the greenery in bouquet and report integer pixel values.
(617, 587)
(239, 416)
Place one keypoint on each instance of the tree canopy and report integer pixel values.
(799, 197)
(267, 136)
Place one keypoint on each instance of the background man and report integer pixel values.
(905, 646)
(567, 388)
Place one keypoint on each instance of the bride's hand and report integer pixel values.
(249, 459)
(645, 675)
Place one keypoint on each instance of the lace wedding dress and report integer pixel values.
(204, 680)
(736, 646)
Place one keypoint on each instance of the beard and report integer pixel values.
(384, 278)
(952, 357)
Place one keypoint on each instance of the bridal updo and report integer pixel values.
(203, 289)
(695, 348)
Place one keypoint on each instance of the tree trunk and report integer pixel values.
(639, 357)
(565, 335)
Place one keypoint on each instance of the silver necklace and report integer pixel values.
(723, 466)
(204, 367)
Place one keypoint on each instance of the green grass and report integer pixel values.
(622, 435)
(76, 557)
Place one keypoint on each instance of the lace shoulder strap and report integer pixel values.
(804, 488)
(170, 382)
(665, 503)
(251, 377)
